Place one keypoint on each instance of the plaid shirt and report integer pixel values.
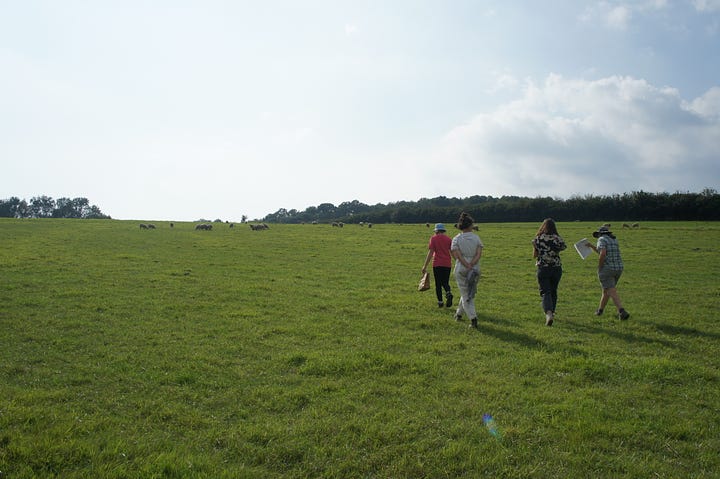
(612, 252)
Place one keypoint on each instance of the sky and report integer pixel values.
(210, 109)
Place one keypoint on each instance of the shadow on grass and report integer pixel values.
(630, 337)
(673, 330)
(495, 327)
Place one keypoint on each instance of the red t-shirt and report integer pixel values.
(440, 246)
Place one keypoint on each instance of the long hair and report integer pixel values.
(465, 221)
(548, 227)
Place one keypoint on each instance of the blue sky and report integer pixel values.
(182, 110)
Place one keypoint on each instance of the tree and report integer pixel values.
(96, 214)
(633, 206)
(64, 208)
(46, 207)
(42, 207)
(9, 208)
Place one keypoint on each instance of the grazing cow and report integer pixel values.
(172, 225)
(143, 226)
(476, 228)
(427, 225)
(334, 223)
(204, 226)
(369, 225)
(606, 225)
(232, 225)
(625, 225)
(151, 226)
(259, 227)
(636, 225)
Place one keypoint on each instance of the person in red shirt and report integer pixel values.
(439, 251)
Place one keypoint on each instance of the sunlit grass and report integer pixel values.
(305, 351)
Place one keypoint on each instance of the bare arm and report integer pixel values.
(477, 256)
(427, 260)
(459, 257)
(591, 246)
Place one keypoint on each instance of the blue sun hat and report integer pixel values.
(440, 227)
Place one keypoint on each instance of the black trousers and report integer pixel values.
(548, 280)
(442, 280)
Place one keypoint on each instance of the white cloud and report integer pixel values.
(611, 135)
(708, 104)
(350, 30)
(503, 81)
(618, 17)
(707, 5)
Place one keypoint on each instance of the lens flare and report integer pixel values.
(491, 426)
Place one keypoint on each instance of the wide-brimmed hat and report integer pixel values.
(603, 230)
(440, 227)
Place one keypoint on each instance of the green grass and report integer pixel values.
(306, 351)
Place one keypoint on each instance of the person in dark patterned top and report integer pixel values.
(547, 245)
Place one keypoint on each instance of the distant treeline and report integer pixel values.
(46, 207)
(635, 206)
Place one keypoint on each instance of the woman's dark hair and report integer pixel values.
(548, 227)
(465, 221)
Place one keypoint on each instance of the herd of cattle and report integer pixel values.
(205, 226)
(263, 226)
(624, 225)
(254, 227)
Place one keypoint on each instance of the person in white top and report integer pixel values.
(467, 249)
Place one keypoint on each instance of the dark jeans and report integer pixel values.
(442, 280)
(548, 280)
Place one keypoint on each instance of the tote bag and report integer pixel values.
(424, 282)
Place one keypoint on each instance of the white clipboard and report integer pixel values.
(582, 248)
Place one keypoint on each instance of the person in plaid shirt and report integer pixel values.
(610, 267)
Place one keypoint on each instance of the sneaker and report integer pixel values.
(440, 304)
(473, 323)
(598, 312)
(449, 297)
(548, 319)
(623, 314)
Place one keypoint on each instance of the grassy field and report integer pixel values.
(306, 351)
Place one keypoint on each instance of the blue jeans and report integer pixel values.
(548, 280)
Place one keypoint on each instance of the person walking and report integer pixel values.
(439, 252)
(467, 248)
(547, 245)
(610, 268)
